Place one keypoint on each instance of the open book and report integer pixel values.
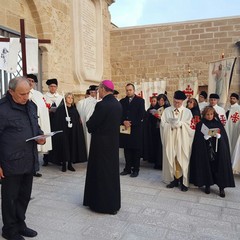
(124, 130)
(44, 135)
(210, 132)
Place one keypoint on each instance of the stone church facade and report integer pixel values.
(86, 48)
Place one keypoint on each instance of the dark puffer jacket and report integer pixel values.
(18, 123)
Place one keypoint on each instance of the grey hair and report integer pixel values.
(13, 83)
(69, 94)
(105, 88)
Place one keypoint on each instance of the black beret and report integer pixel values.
(115, 92)
(235, 95)
(204, 94)
(214, 95)
(93, 87)
(33, 77)
(180, 95)
(52, 81)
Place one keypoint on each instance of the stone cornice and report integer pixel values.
(109, 2)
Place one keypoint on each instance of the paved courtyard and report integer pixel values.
(149, 210)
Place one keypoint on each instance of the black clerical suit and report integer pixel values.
(133, 110)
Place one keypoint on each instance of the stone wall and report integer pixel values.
(128, 54)
(171, 50)
(52, 19)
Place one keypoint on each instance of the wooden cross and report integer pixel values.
(23, 45)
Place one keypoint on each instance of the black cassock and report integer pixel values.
(68, 146)
(102, 186)
(208, 167)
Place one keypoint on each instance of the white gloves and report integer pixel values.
(176, 123)
(218, 135)
(206, 137)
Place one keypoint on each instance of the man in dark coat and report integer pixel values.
(102, 186)
(132, 120)
(18, 122)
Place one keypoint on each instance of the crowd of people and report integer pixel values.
(197, 140)
(192, 141)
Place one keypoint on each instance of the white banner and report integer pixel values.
(4, 52)
(149, 89)
(219, 78)
(32, 55)
(189, 85)
(14, 48)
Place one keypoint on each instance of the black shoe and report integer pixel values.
(173, 184)
(134, 174)
(124, 172)
(221, 192)
(15, 237)
(113, 213)
(184, 188)
(71, 168)
(28, 232)
(64, 168)
(207, 189)
(37, 174)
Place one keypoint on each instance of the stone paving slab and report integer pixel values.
(149, 210)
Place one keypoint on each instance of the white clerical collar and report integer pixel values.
(234, 105)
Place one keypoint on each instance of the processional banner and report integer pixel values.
(189, 85)
(4, 51)
(219, 78)
(149, 89)
(9, 55)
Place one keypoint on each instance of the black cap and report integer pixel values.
(93, 87)
(180, 95)
(214, 95)
(204, 94)
(33, 77)
(235, 95)
(52, 81)
(115, 92)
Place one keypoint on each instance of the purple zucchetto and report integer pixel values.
(108, 84)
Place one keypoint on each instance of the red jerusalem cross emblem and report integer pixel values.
(222, 119)
(188, 91)
(153, 95)
(235, 117)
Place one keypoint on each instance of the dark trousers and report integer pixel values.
(16, 192)
(132, 158)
